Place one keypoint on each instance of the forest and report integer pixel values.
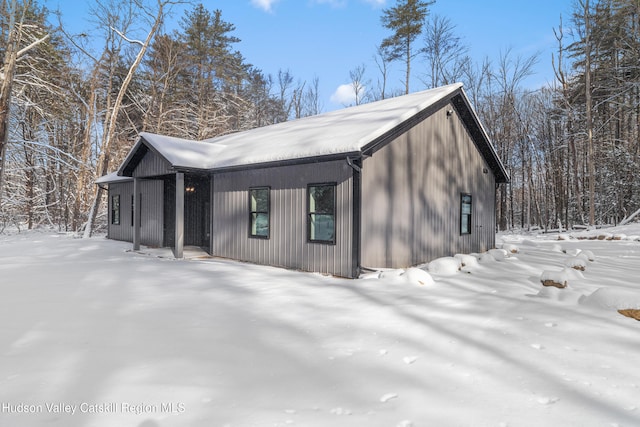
(70, 109)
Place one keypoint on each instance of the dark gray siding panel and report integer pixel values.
(124, 230)
(151, 219)
(152, 213)
(411, 196)
(287, 245)
(152, 165)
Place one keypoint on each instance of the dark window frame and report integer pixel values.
(252, 212)
(115, 209)
(310, 214)
(465, 217)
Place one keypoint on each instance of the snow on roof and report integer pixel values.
(337, 132)
(112, 177)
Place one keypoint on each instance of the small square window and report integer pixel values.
(465, 213)
(259, 212)
(321, 208)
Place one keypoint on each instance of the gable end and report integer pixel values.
(403, 127)
(139, 155)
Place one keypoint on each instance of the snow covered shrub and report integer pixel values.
(557, 248)
(559, 279)
(553, 278)
(587, 255)
(577, 263)
(619, 299)
(418, 276)
(391, 273)
(466, 260)
(498, 254)
(510, 248)
(444, 266)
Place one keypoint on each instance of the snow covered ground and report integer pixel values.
(94, 335)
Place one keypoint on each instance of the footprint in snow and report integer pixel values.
(409, 359)
(387, 397)
(537, 346)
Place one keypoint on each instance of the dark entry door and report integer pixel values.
(196, 211)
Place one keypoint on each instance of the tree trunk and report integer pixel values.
(589, 114)
(103, 161)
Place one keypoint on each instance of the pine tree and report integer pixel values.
(406, 20)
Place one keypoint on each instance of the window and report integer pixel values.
(465, 214)
(115, 209)
(321, 208)
(259, 207)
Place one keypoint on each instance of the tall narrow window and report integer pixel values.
(115, 209)
(321, 208)
(259, 212)
(465, 213)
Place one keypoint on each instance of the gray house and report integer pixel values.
(393, 183)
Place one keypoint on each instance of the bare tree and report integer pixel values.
(383, 61)
(17, 35)
(358, 84)
(312, 103)
(445, 53)
(110, 122)
(584, 4)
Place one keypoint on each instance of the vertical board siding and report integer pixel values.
(411, 195)
(287, 245)
(124, 230)
(151, 217)
(152, 165)
(152, 213)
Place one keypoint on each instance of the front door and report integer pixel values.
(197, 211)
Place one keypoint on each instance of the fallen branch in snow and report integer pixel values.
(629, 218)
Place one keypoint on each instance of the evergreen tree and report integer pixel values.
(406, 20)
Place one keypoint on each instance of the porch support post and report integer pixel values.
(136, 214)
(179, 248)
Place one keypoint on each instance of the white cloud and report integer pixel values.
(264, 4)
(346, 95)
(376, 2)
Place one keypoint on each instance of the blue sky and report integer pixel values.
(328, 38)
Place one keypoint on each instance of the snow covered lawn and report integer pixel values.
(94, 335)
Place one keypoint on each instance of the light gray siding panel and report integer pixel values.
(151, 220)
(152, 165)
(411, 195)
(287, 245)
